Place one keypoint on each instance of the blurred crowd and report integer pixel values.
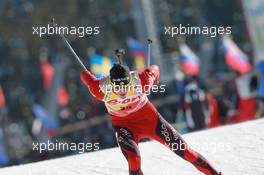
(42, 96)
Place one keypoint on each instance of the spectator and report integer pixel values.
(195, 106)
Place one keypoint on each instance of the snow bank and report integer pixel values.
(235, 150)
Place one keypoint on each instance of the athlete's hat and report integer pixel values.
(119, 74)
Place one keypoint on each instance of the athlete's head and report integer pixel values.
(119, 74)
(120, 78)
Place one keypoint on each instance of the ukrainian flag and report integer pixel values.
(100, 65)
(138, 51)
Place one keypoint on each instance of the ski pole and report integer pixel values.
(149, 52)
(69, 46)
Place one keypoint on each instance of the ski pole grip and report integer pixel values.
(149, 41)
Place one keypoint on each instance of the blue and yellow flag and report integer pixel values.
(100, 65)
(138, 51)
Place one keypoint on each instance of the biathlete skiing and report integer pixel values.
(134, 117)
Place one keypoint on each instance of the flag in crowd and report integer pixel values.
(49, 123)
(247, 89)
(3, 154)
(189, 60)
(138, 51)
(234, 57)
(2, 98)
(47, 72)
(62, 96)
(100, 65)
(260, 69)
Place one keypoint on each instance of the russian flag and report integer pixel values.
(100, 65)
(234, 57)
(138, 51)
(190, 62)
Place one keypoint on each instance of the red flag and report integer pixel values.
(47, 71)
(2, 98)
(62, 96)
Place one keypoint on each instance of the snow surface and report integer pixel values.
(235, 150)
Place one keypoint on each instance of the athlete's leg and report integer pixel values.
(129, 147)
(168, 136)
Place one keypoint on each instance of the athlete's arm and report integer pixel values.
(148, 77)
(92, 84)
